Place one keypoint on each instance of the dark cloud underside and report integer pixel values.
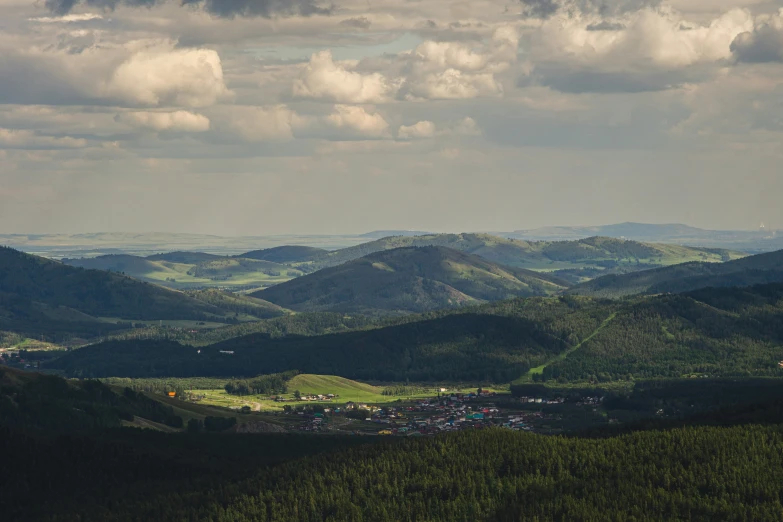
(220, 8)
(763, 45)
(547, 8)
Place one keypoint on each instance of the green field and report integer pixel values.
(346, 390)
(228, 273)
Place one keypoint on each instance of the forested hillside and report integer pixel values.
(37, 291)
(286, 254)
(237, 303)
(494, 343)
(32, 402)
(710, 332)
(311, 323)
(409, 280)
(749, 271)
(700, 474)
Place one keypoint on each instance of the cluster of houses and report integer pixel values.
(443, 414)
(314, 423)
(540, 400)
(307, 398)
(14, 359)
(430, 416)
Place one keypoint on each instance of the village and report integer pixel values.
(442, 414)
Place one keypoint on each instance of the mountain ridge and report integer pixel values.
(748, 271)
(409, 279)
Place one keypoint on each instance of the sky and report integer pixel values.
(259, 117)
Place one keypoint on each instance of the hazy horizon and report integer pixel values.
(360, 232)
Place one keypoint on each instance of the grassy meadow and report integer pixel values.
(207, 393)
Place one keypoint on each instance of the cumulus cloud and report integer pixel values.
(422, 129)
(763, 44)
(263, 124)
(178, 121)
(646, 50)
(357, 121)
(431, 71)
(26, 139)
(91, 69)
(185, 77)
(451, 84)
(454, 70)
(278, 123)
(323, 79)
(220, 8)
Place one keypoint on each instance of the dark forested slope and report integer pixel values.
(700, 474)
(711, 332)
(38, 291)
(286, 254)
(748, 271)
(497, 343)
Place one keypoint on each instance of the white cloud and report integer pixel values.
(261, 124)
(433, 70)
(648, 49)
(453, 70)
(422, 129)
(451, 84)
(357, 121)
(323, 79)
(181, 121)
(86, 17)
(186, 77)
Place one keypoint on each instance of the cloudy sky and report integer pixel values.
(252, 117)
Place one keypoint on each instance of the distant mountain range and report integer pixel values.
(411, 279)
(596, 253)
(573, 261)
(750, 241)
(749, 271)
(145, 244)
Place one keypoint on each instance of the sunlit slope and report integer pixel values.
(601, 252)
(409, 280)
(185, 270)
(311, 384)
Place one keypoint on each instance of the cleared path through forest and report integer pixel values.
(538, 370)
